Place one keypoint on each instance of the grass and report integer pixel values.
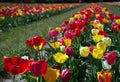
(113, 9)
(13, 42)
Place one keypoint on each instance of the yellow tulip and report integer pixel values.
(103, 9)
(102, 46)
(51, 75)
(118, 21)
(60, 57)
(2, 17)
(58, 29)
(105, 20)
(97, 53)
(98, 38)
(95, 31)
(71, 19)
(78, 16)
(56, 45)
(100, 26)
(97, 15)
(84, 51)
(107, 41)
(67, 42)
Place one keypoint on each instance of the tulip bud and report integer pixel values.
(65, 75)
(69, 51)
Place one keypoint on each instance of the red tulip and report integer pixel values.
(36, 41)
(39, 67)
(29, 43)
(103, 33)
(77, 32)
(16, 65)
(91, 48)
(65, 75)
(111, 58)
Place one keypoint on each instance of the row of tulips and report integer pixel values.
(85, 49)
(12, 15)
(113, 4)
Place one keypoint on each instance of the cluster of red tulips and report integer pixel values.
(12, 15)
(86, 48)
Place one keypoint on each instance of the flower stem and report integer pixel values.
(39, 79)
(13, 78)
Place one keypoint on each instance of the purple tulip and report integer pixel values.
(65, 75)
(69, 51)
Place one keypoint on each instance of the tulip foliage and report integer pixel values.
(86, 48)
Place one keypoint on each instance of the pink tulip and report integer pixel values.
(53, 34)
(110, 58)
(69, 34)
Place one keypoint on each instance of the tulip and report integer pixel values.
(58, 29)
(60, 57)
(37, 42)
(69, 51)
(51, 75)
(65, 75)
(69, 35)
(105, 20)
(97, 53)
(64, 29)
(62, 48)
(67, 42)
(56, 45)
(29, 43)
(95, 31)
(102, 46)
(16, 65)
(84, 51)
(71, 19)
(53, 34)
(111, 58)
(103, 33)
(91, 48)
(104, 76)
(98, 38)
(105, 65)
(117, 21)
(38, 68)
(78, 32)
(107, 41)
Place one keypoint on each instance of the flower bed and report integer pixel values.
(13, 15)
(85, 49)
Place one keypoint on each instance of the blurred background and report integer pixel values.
(57, 1)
